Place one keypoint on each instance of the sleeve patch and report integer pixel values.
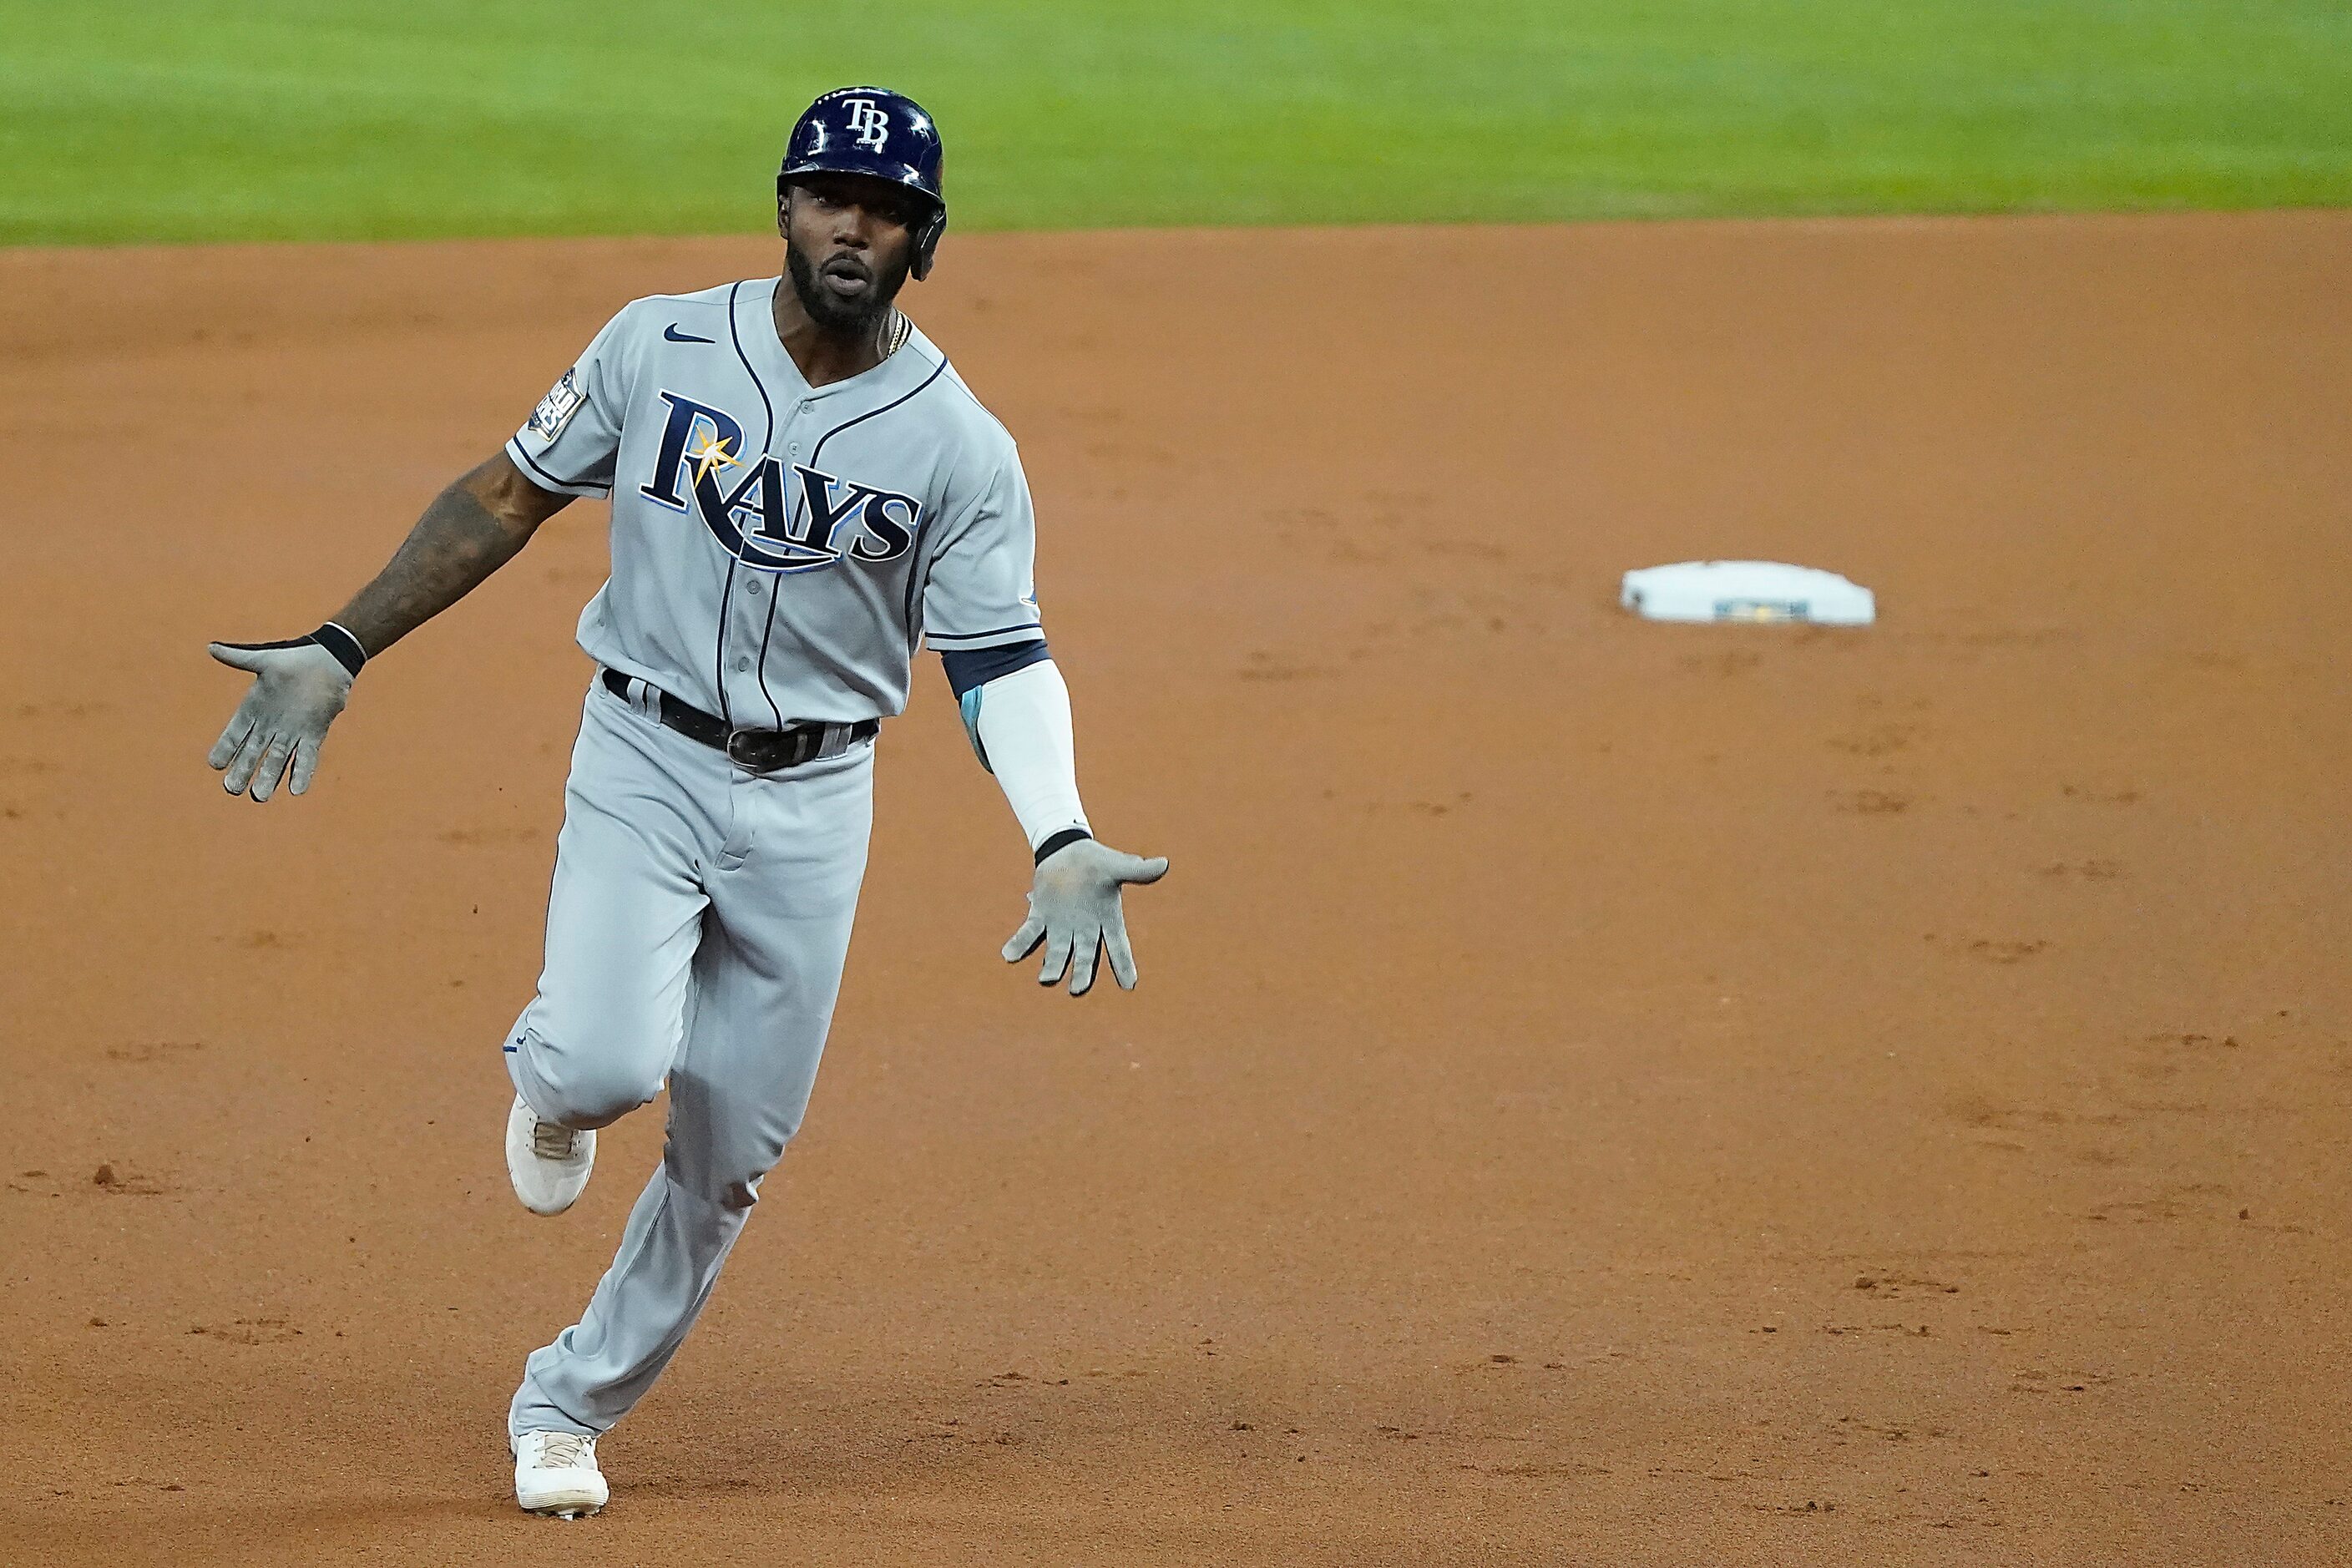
(556, 409)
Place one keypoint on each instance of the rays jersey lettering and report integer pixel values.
(765, 520)
(779, 550)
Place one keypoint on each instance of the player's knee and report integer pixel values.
(603, 1095)
(591, 1083)
(731, 1177)
(738, 1191)
(725, 1163)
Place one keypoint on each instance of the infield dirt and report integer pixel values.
(1600, 1093)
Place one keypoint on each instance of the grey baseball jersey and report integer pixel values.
(779, 550)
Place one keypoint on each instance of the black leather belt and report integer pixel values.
(759, 751)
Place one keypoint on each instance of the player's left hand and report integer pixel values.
(1074, 910)
(298, 690)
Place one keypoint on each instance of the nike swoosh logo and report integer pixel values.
(674, 336)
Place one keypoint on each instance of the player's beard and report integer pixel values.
(834, 314)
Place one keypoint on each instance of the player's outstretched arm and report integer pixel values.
(1020, 726)
(469, 530)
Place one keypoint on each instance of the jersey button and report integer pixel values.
(752, 588)
(743, 663)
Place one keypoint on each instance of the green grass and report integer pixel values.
(310, 119)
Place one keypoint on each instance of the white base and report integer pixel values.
(1750, 591)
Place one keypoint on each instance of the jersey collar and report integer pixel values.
(755, 334)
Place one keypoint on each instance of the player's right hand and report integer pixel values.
(298, 690)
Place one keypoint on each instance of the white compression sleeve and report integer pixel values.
(1022, 723)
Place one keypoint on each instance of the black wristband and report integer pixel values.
(342, 643)
(1062, 840)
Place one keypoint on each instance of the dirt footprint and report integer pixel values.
(1263, 665)
(1736, 661)
(1870, 802)
(2084, 870)
(117, 1183)
(249, 1331)
(1990, 949)
(152, 1050)
(1875, 741)
(475, 838)
(1887, 1284)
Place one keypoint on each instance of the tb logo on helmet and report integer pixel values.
(868, 124)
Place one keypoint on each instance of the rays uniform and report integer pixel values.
(779, 549)
(779, 552)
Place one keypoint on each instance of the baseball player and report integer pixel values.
(803, 492)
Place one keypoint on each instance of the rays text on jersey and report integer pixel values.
(806, 522)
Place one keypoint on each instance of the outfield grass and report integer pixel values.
(284, 119)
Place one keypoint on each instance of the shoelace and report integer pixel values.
(566, 1451)
(549, 1141)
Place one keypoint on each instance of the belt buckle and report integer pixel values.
(773, 751)
(742, 749)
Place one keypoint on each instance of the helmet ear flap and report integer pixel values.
(927, 241)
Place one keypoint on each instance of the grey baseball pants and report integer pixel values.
(695, 935)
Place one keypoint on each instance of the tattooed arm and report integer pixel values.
(472, 530)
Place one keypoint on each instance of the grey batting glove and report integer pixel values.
(1074, 910)
(297, 689)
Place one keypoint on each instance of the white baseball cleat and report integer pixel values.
(555, 1472)
(548, 1164)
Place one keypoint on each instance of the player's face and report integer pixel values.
(847, 242)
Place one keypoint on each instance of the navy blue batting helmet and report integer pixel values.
(874, 131)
